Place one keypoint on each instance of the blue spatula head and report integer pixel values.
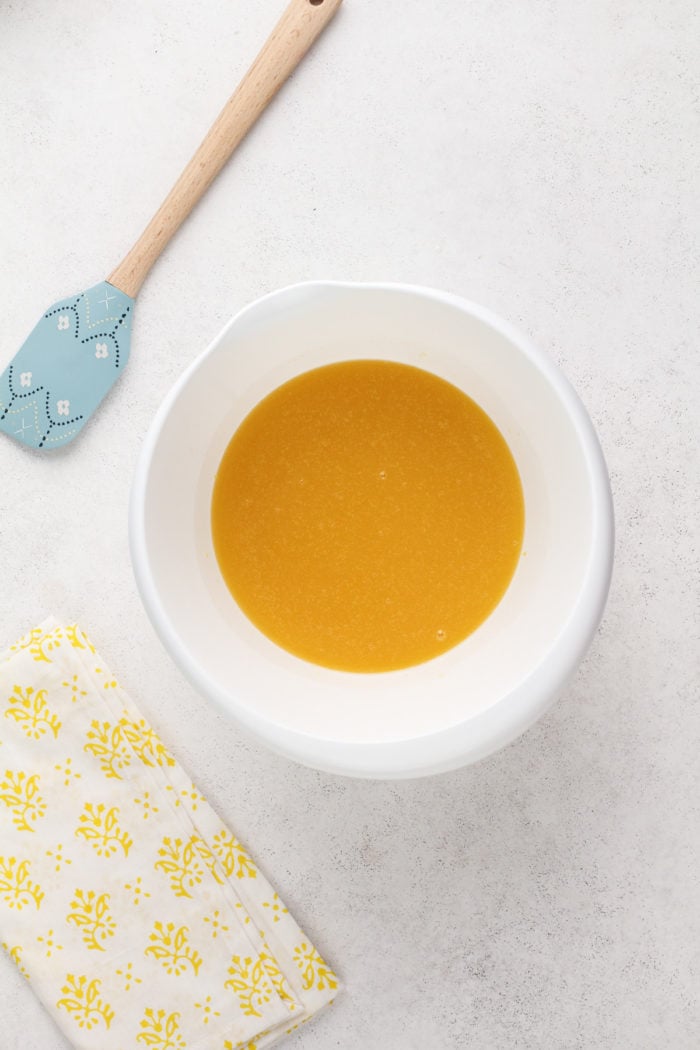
(65, 367)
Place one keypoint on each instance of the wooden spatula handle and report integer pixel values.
(291, 38)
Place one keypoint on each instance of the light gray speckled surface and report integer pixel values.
(539, 157)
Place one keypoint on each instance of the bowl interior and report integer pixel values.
(272, 341)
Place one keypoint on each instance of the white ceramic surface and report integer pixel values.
(477, 696)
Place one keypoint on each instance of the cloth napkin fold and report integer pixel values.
(140, 920)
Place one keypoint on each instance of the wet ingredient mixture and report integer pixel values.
(367, 516)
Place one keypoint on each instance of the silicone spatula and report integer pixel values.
(80, 346)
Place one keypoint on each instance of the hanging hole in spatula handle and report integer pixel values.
(289, 41)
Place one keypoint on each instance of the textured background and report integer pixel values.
(540, 157)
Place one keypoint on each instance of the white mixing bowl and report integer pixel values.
(473, 699)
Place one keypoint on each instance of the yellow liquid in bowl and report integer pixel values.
(367, 516)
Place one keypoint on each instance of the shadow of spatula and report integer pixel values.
(80, 346)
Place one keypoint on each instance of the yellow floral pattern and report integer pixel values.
(315, 972)
(81, 998)
(75, 691)
(100, 827)
(116, 744)
(137, 891)
(106, 742)
(15, 954)
(142, 920)
(40, 643)
(108, 682)
(128, 977)
(161, 1031)
(146, 742)
(16, 888)
(250, 983)
(49, 944)
(279, 981)
(234, 858)
(67, 771)
(28, 640)
(78, 639)
(90, 914)
(207, 855)
(58, 858)
(189, 796)
(180, 861)
(148, 807)
(208, 1011)
(20, 793)
(275, 908)
(28, 707)
(216, 925)
(172, 949)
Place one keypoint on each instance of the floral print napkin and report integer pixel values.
(140, 920)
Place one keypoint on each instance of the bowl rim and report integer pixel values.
(477, 736)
